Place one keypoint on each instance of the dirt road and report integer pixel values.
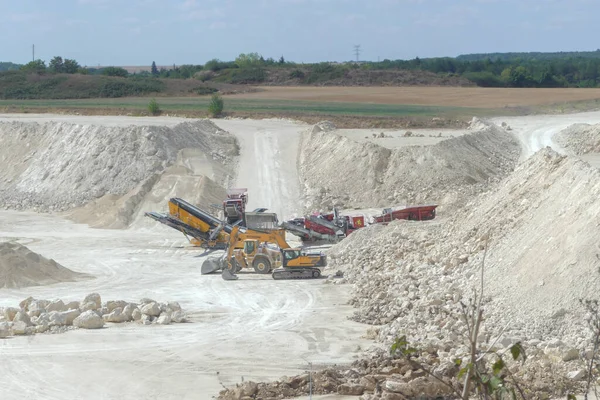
(268, 163)
(536, 132)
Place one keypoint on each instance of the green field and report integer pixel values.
(195, 104)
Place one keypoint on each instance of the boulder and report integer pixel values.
(5, 330)
(164, 319)
(116, 316)
(112, 304)
(350, 389)
(136, 314)
(41, 328)
(10, 313)
(25, 303)
(57, 318)
(56, 305)
(43, 319)
(22, 317)
(94, 298)
(19, 328)
(89, 306)
(37, 307)
(174, 306)
(72, 305)
(146, 319)
(576, 375)
(128, 311)
(151, 309)
(89, 320)
(146, 300)
(70, 316)
(178, 317)
(570, 355)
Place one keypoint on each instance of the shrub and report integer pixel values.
(297, 74)
(215, 107)
(153, 107)
(115, 71)
(249, 75)
(204, 90)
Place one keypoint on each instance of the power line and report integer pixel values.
(357, 51)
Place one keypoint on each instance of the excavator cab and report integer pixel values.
(250, 246)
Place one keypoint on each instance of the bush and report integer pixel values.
(215, 107)
(484, 79)
(297, 74)
(204, 90)
(248, 75)
(153, 107)
(115, 71)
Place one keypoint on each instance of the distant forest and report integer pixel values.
(529, 56)
(560, 69)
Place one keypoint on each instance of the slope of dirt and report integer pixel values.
(21, 267)
(543, 256)
(60, 166)
(580, 139)
(337, 171)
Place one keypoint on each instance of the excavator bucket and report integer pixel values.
(228, 275)
(211, 265)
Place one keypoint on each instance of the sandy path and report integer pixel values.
(536, 132)
(268, 163)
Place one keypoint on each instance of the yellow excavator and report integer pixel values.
(249, 247)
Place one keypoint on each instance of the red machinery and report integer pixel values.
(416, 213)
(334, 227)
(234, 207)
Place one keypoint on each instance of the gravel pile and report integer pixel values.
(580, 139)
(21, 267)
(541, 226)
(58, 166)
(337, 171)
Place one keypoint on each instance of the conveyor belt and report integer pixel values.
(202, 215)
(181, 226)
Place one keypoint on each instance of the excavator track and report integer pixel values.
(296, 273)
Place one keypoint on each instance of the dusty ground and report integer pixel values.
(447, 96)
(251, 328)
(394, 139)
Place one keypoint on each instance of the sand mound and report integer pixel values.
(338, 171)
(60, 166)
(580, 139)
(21, 267)
(543, 257)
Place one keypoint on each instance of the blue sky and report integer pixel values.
(137, 32)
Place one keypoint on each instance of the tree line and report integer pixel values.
(494, 70)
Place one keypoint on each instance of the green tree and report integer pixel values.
(115, 71)
(281, 60)
(153, 107)
(215, 107)
(154, 70)
(70, 66)
(37, 66)
(248, 60)
(56, 65)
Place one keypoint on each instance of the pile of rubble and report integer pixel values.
(382, 376)
(21, 267)
(58, 166)
(39, 316)
(580, 139)
(337, 171)
(410, 277)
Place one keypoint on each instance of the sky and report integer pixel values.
(137, 32)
